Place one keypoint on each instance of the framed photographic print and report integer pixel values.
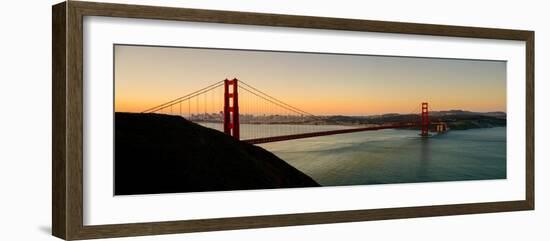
(171, 120)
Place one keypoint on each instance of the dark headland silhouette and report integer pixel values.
(157, 153)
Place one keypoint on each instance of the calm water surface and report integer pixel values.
(397, 156)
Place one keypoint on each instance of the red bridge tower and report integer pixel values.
(231, 108)
(425, 119)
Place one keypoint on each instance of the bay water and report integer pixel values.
(387, 156)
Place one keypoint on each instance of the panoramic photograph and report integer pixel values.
(202, 119)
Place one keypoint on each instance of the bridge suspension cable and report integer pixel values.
(273, 99)
(247, 113)
(183, 98)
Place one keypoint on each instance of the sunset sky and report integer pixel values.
(322, 84)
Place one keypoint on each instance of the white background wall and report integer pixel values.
(25, 120)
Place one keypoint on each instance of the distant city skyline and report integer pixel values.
(321, 84)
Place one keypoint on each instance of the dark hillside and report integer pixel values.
(168, 154)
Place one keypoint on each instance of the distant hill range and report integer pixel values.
(498, 114)
(157, 153)
(455, 119)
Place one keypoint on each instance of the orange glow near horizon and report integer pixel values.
(322, 84)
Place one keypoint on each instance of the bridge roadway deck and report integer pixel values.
(326, 133)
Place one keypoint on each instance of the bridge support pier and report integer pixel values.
(231, 108)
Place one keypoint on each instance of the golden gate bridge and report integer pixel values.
(217, 106)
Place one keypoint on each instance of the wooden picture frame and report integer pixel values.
(67, 124)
